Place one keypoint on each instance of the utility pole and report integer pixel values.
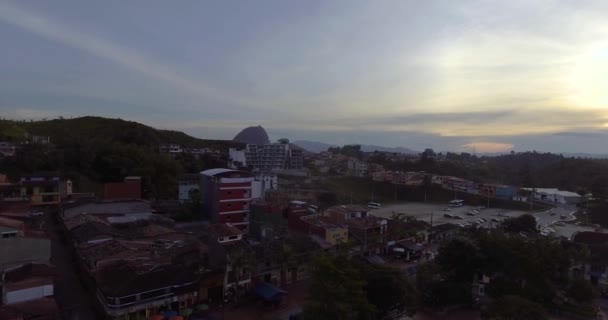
(488, 201)
(395, 192)
(431, 229)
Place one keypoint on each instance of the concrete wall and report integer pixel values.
(28, 294)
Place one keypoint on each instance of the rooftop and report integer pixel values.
(591, 238)
(83, 218)
(39, 309)
(444, 227)
(225, 230)
(218, 171)
(7, 230)
(17, 251)
(553, 191)
(123, 278)
(320, 221)
(365, 222)
(108, 207)
(347, 209)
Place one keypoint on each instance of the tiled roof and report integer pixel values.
(365, 222)
(591, 238)
(109, 207)
(123, 278)
(80, 219)
(320, 221)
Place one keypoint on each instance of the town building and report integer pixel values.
(129, 189)
(273, 156)
(340, 214)
(328, 233)
(26, 279)
(232, 256)
(555, 196)
(356, 167)
(236, 159)
(7, 149)
(497, 191)
(442, 232)
(370, 233)
(45, 188)
(186, 184)
(226, 195)
(139, 269)
(263, 183)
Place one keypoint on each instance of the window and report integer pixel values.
(233, 237)
(244, 203)
(229, 192)
(229, 205)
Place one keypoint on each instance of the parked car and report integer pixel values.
(495, 220)
(563, 216)
(373, 205)
(561, 224)
(470, 213)
(458, 217)
(447, 215)
(447, 209)
(483, 219)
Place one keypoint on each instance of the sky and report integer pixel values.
(469, 75)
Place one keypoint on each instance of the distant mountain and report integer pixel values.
(372, 148)
(313, 146)
(253, 135)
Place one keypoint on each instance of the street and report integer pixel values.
(73, 300)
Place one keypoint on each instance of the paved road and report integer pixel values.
(73, 299)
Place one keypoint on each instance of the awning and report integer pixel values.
(269, 292)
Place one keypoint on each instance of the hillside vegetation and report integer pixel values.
(95, 150)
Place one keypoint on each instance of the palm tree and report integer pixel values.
(239, 261)
(287, 261)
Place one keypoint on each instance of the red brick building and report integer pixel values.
(226, 196)
(130, 189)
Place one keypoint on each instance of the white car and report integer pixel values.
(447, 209)
(374, 205)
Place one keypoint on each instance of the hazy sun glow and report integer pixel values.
(589, 79)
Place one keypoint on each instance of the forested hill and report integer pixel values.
(95, 150)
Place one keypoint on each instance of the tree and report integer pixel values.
(525, 223)
(287, 261)
(514, 308)
(327, 199)
(388, 289)
(599, 187)
(336, 292)
(581, 290)
(459, 259)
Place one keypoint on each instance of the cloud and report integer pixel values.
(120, 55)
